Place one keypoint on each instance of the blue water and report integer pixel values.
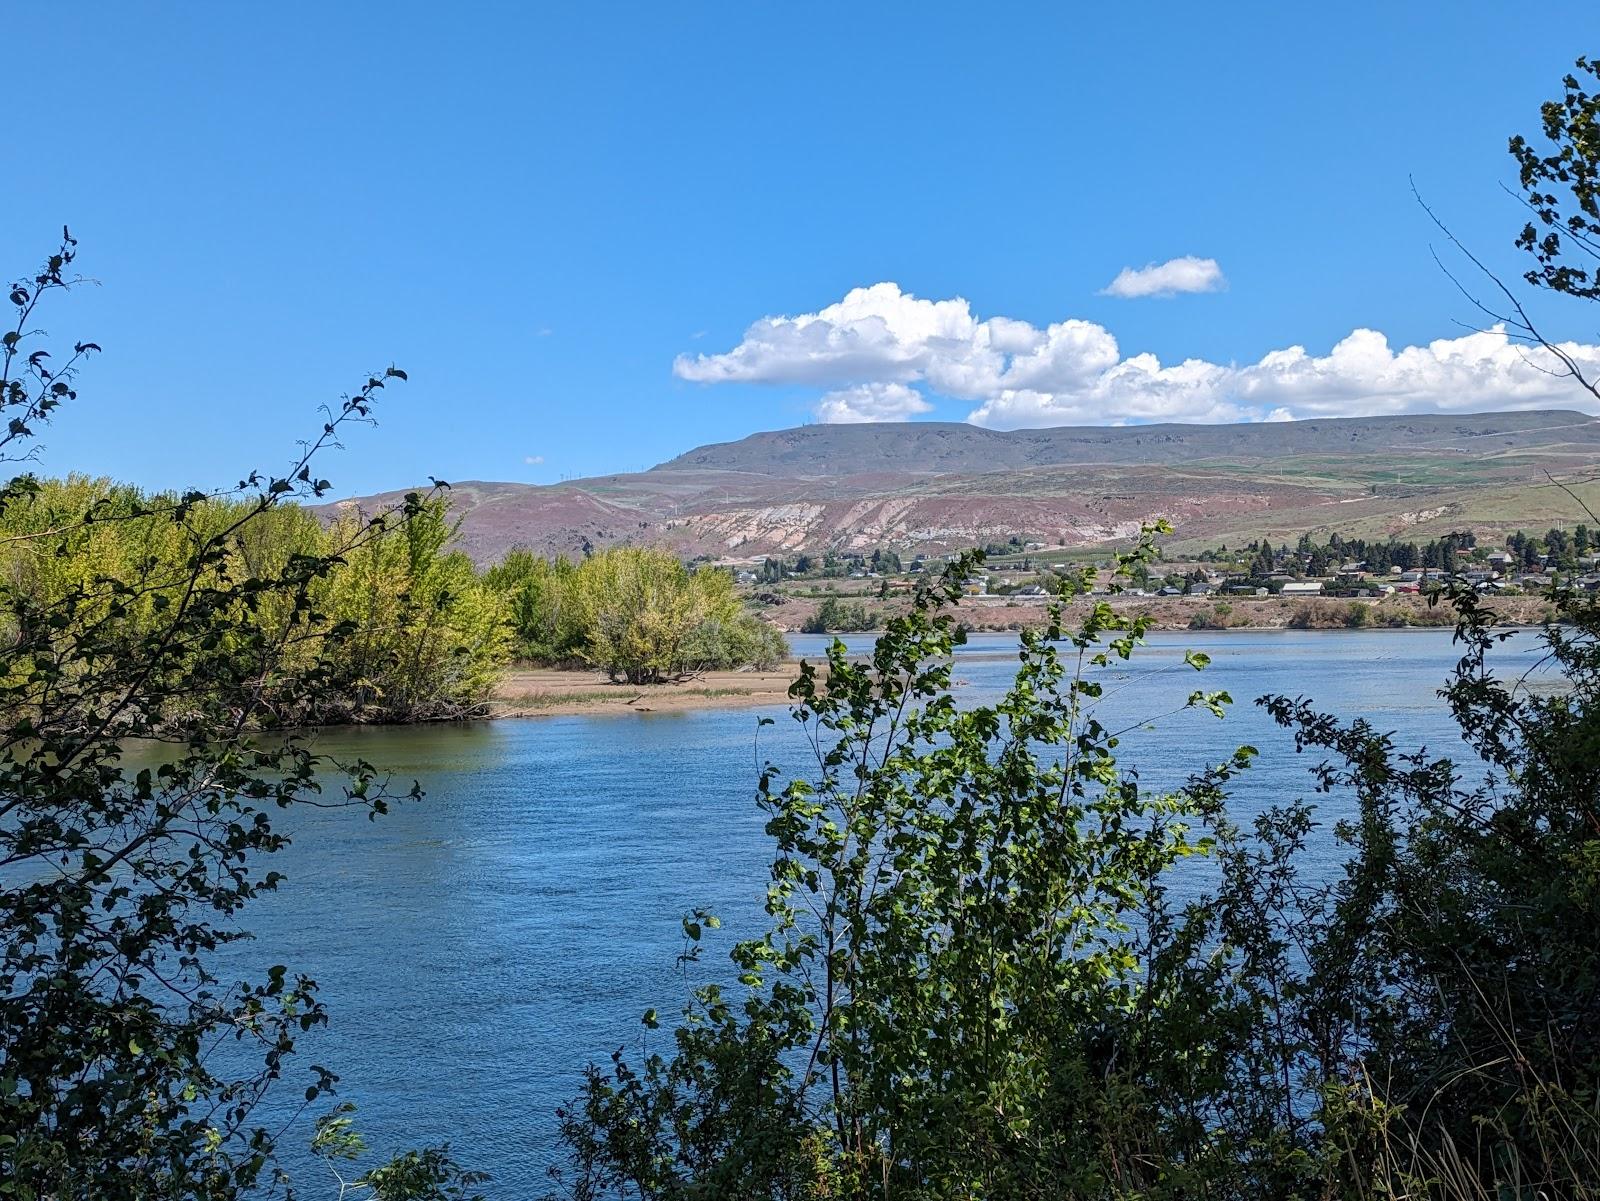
(479, 947)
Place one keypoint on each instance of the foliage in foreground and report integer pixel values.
(954, 998)
(137, 809)
(980, 979)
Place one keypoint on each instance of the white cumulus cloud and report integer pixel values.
(879, 351)
(1188, 274)
(871, 402)
(877, 332)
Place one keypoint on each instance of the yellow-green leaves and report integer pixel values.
(639, 614)
(401, 626)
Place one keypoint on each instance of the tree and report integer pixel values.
(836, 616)
(643, 617)
(543, 608)
(137, 812)
(978, 982)
(956, 997)
(639, 614)
(426, 641)
(427, 637)
(1456, 954)
(1562, 187)
(1559, 184)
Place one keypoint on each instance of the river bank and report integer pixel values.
(550, 692)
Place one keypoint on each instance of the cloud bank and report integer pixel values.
(1187, 274)
(879, 350)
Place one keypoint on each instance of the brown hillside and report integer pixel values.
(935, 486)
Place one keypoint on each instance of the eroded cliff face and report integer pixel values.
(569, 520)
(937, 523)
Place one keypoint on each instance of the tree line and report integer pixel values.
(420, 634)
(411, 631)
(1558, 548)
(830, 564)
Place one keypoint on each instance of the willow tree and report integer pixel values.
(543, 610)
(424, 638)
(427, 637)
(644, 617)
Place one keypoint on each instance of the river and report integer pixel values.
(478, 947)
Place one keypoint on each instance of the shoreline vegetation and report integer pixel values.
(1193, 613)
(398, 626)
(530, 690)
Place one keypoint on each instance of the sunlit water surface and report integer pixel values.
(477, 948)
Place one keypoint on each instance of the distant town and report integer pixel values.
(1021, 571)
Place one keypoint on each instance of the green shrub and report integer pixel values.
(720, 644)
(836, 616)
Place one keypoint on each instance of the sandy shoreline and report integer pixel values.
(552, 692)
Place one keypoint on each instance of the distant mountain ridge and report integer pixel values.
(936, 486)
(820, 451)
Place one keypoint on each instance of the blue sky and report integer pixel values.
(539, 210)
